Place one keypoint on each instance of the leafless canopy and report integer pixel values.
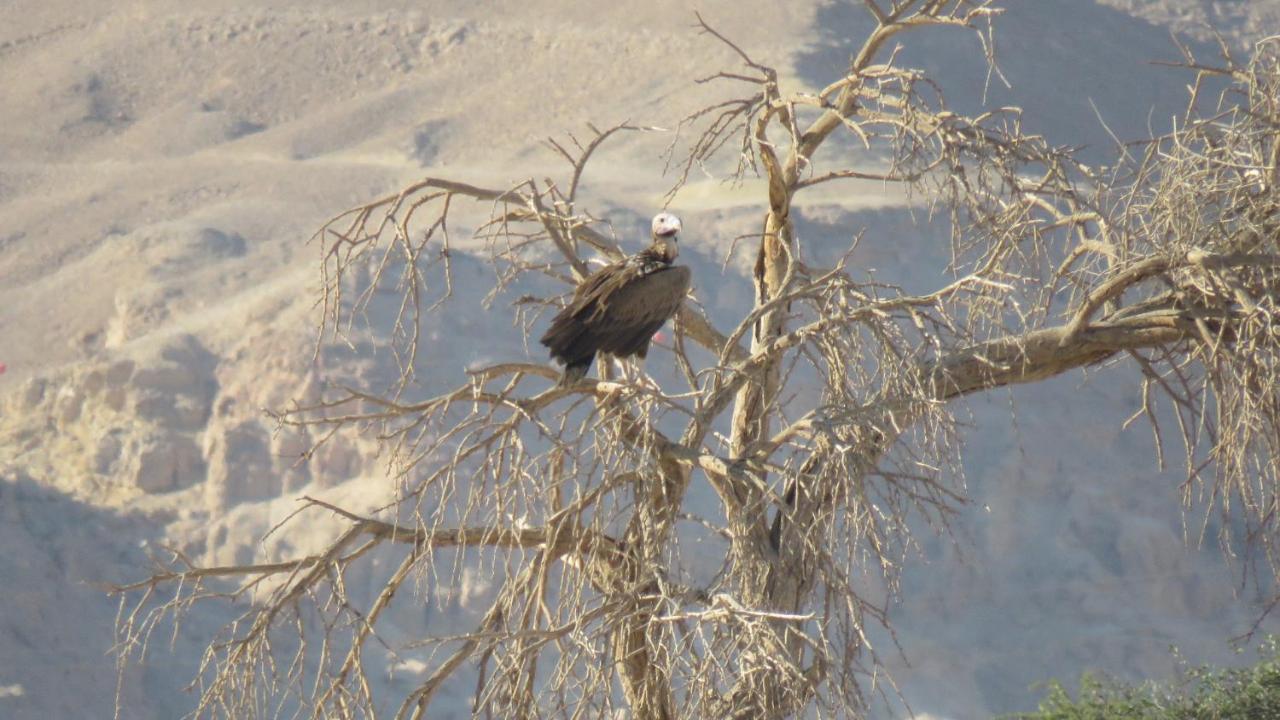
(577, 499)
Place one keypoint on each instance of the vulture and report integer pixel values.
(619, 307)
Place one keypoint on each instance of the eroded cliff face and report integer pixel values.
(1241, 23)
(162, 166)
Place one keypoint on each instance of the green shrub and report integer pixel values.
(1200, 693)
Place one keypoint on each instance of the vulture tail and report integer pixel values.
(570, 343)
(574, 372)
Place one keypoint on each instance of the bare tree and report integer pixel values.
(572, 497)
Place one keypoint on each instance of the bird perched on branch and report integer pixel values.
(619, 307)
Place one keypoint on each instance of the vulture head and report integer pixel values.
(666, 235)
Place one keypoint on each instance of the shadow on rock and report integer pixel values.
(1060, 57)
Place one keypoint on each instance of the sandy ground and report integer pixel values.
(162, 164)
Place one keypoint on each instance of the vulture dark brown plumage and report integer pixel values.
(619, 307)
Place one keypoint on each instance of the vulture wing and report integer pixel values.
(631, 314)
(616, 311)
